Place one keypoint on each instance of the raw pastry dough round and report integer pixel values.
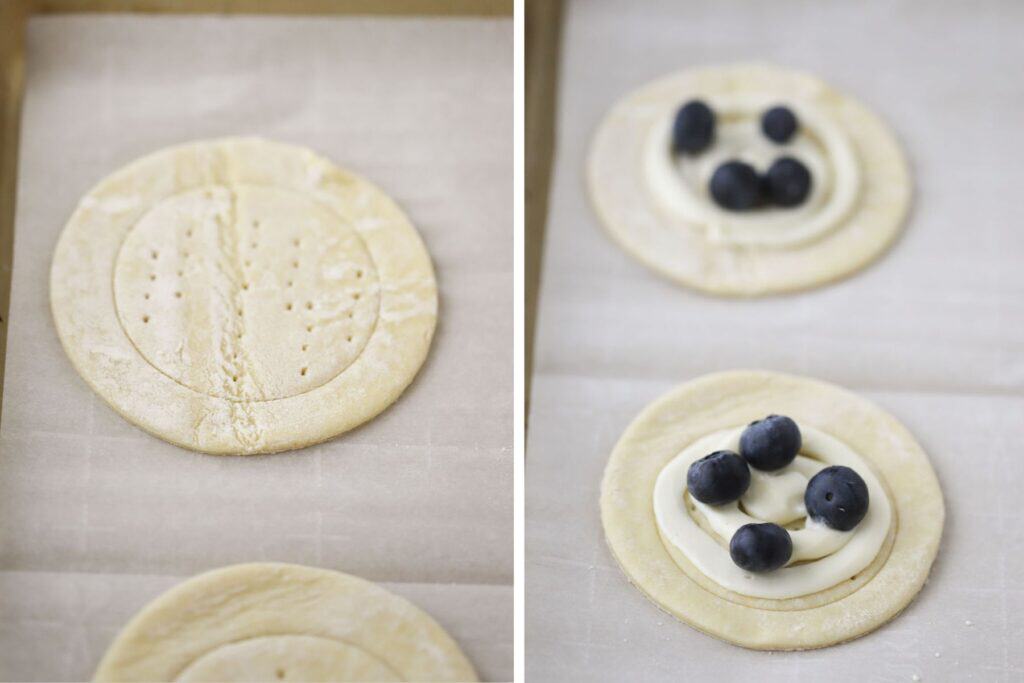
(242, 296)
(682, 251)
(282, 622)
(724, 400)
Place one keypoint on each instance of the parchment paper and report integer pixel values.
(934, 333)
(96, 517)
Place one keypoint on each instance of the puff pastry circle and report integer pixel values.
(656, 213)
(282, 622)
(242, 296)
(727, 400)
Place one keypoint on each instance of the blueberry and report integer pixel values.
(736, 186)
(721, 477)
(838, 497)
(771, 443)
(760, 547)
(788, 182)
(693, 128)
(778, 124)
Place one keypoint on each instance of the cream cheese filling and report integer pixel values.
(822, 557)
(679, 184)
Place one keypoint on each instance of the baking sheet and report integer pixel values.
(934, 333)
(97, 517)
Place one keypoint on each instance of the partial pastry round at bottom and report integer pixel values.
(282, 622)
(726, 400)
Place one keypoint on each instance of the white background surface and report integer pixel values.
(96, 517)
(933, 332)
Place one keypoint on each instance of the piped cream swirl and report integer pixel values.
(679, 184)
(822, 557)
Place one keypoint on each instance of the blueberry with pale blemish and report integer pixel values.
(719, 478)
(779, 124)
(838, 497)
(760, 547)
(693, 128)
(771, 443)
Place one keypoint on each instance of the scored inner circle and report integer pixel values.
(289, 657)
(247, 293)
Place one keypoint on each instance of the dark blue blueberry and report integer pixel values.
(838, 497)
(760, 547)
(721, 477)
(778, 124)
(736, 186)
(788, 182)
(771, 443)
(693, 129)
